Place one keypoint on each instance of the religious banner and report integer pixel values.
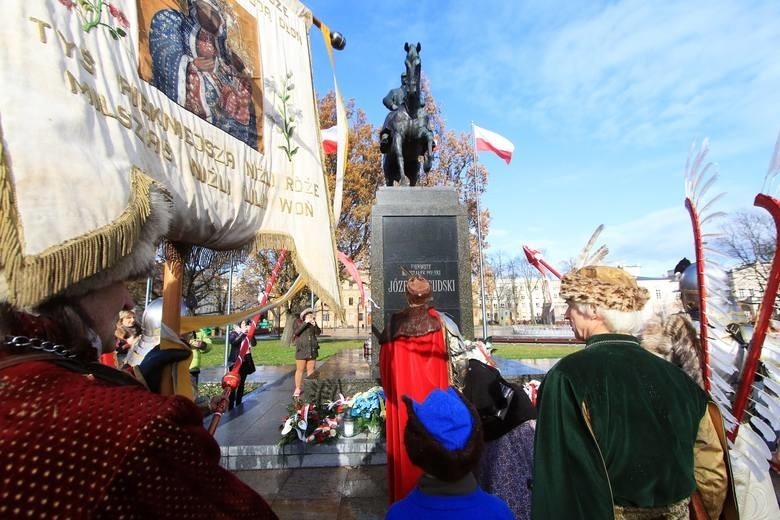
(211, 99)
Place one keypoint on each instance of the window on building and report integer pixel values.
(325, 316)
(658, 293)
(351, 300)
(360, 316)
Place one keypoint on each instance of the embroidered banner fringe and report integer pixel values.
(31, 280)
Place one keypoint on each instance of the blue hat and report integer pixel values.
(446, 417)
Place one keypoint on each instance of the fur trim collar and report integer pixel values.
(141, 260)
(412, 322)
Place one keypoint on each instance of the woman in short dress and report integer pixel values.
(306, 347)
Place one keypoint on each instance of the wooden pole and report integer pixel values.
(173, 271)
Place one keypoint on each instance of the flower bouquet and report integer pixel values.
(367, 409)
(305, 423)
(318, 424)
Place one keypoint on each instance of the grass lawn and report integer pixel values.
(272, 352)
(533, 351)
(215, 389)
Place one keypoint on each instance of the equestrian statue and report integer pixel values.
(406, 134)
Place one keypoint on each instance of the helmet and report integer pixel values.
(152, 319)
(151, 324)
(689, 289)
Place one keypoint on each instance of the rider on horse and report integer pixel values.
(394, 100)
(406, 134)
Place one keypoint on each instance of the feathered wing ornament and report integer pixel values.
(585, 257)
(700, 176)
(720, 343)
(758, 398)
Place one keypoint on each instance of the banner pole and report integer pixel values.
(231, 379)
(229, 310)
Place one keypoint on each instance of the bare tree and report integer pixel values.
(500, 289)
(749, 238)
(530, 281)
(513, 297)
(204, 283)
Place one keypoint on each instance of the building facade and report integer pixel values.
(535, 301)
(357, 313)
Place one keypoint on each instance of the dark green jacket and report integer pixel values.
(638, 451)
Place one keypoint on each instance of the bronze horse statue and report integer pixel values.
(406, 134)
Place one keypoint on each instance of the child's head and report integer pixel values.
(443, 435)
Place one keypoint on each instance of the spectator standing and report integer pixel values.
(128, 333)
(508, 424)
(306, 347)
(201, 344)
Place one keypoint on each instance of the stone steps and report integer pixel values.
(249, 434)
(361, 450)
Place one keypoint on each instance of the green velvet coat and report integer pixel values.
(645, 415)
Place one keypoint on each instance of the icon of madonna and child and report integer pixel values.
(200, 66)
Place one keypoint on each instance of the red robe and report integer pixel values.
(413, 361)
(74, 445)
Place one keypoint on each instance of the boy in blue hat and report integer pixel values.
(443, 437)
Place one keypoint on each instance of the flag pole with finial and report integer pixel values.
(479, 240)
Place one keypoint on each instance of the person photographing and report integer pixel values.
(306, 347)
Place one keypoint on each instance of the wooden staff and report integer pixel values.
(171, 316)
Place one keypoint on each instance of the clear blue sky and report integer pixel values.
(602, 101)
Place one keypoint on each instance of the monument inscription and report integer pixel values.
(425, 246)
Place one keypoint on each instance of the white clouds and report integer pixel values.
(656, 240)
(630, 71)
(601, 98)
(642, 72)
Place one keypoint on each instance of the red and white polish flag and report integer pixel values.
(487, 141)
(330, 139)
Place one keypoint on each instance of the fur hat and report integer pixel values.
(307, 310)
(443, 435)
(418, 290)
(607, 287)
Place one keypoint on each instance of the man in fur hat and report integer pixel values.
(412, 361)
(620, 432)
(444, 438)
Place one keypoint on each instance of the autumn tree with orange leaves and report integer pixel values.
(363, 174)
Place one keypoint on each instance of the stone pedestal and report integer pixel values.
(424, 231)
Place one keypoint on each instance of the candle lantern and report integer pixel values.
(348, 426)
